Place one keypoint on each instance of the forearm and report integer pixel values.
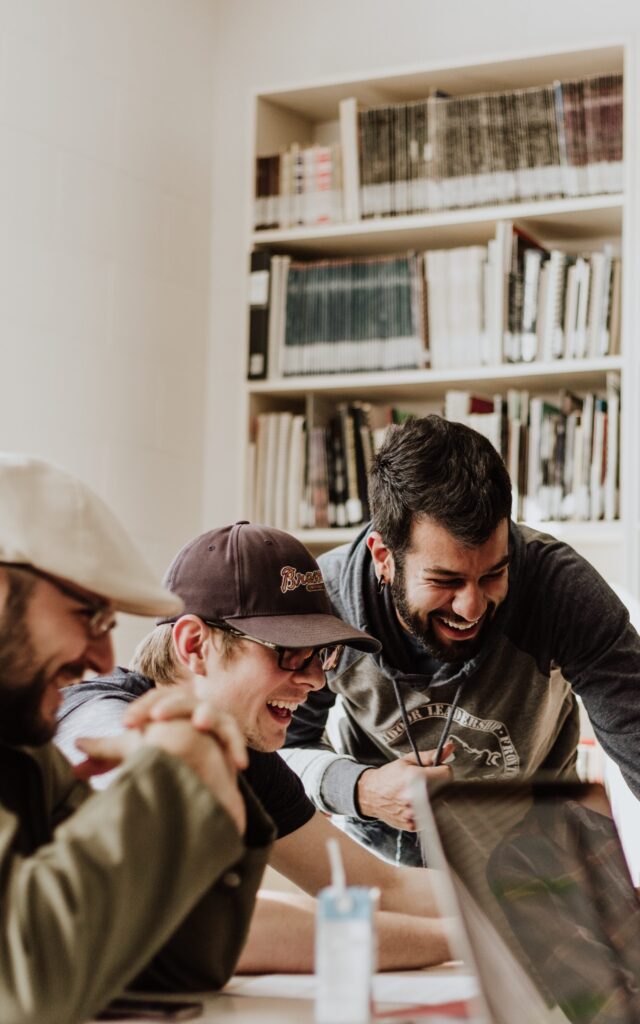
(329, 779)
(282, 936)
(93, 893)
(406, 942)
(410, 891)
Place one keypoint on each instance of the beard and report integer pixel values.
(420, 625)
(22, 687)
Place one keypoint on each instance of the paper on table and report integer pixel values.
(394, 987)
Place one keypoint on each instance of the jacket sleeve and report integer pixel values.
(598, 652)
(85, 913)
(329, 778)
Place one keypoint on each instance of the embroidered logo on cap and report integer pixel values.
(292, 579)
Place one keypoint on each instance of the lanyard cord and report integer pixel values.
(449, 720)
(447, 725)
(405, 719)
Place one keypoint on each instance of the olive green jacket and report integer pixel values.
(147, 882)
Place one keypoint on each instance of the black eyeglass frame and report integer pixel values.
(328, 661)
(102, 615)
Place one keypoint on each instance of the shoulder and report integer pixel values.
(279, 790)
(553, 561)
(121, 685)
(332, 563)
(553, 580)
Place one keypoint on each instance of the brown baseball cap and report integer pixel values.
(263, 582)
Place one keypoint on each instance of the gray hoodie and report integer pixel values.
(561, 631)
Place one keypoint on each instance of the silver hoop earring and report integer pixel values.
(381, 584)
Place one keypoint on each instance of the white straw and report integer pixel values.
(338, 877)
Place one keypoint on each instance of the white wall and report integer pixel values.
(105, 176)
(289, 42)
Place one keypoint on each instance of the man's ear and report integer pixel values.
(382, 557)
(192, 643)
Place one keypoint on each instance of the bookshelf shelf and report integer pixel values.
(606, 221)
(576, 533)
(567, 220)
(415, 384)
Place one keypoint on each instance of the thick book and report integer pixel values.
(611, 484)
(259, 289)
(350, 159)
(295, 474)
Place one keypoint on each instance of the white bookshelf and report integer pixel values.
(308, 112)
(566, 221)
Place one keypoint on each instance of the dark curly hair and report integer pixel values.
(432, 468)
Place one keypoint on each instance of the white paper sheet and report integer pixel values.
(401, 989)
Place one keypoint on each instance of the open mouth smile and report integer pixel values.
(282, 710)
(455, 629)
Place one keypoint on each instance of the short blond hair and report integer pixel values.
(156, 656)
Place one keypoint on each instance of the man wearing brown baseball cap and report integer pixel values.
(95, 885)
(256, 635)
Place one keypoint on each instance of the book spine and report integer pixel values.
(259, 292)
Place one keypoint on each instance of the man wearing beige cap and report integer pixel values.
(257, 634)
(152, 881)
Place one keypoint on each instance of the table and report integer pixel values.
(244, 999)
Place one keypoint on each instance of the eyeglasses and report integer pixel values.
(291, 659)
(101, 617)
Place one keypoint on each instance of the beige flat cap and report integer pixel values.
(52, 521)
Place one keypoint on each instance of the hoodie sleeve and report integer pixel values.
(588, 633)
(329, 778)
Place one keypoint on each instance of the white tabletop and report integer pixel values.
(288, 999)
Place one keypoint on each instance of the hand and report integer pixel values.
(384, 793)
(179, 737)
(164, 704)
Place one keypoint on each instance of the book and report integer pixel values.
(295, 473)
(259, 294)
(611, 485)
(348, 112)
(281, 484)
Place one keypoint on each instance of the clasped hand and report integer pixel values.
(186, 726)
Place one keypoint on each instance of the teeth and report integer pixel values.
(457, 625)
(288, 704)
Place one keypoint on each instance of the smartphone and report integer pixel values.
(150, 1009)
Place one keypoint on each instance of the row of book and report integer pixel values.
(509, 301)
(515, 301)
(300, 186)
(306, 477)
(445, 152)
(561, 139)
(336, 315)
(562, 455)
(562, 452)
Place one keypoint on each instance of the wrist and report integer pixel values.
(361, 795)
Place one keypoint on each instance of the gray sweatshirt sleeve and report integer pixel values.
(329, 778)
(95, 718)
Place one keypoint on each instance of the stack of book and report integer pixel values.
(515, 301)
(300, 186)
(512, 300)
(562, 453)
(443, 152)
(339, 316)
(313, 477)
